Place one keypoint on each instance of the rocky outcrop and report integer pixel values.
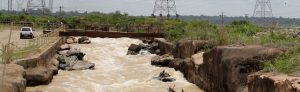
(134, 49)
(39, 76)
(222, 69)
(41, 68)
(225, 68)
(297, 35)
(65, 47)
(84, 40)
(71, 40)
(80, 40)
(187, 48)
(163, 60)
(270, 82)
(74, 60)
(164, 46)
(13, 81)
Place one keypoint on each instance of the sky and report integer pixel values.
(284, 8)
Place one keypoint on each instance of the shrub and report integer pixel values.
(175, 34)
(288, 63)
(243, 27)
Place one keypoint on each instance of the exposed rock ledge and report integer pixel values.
(270, 82)
(13, 79)
(224, 68)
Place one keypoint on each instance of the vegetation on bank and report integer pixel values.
(237, 32)
(288, 63)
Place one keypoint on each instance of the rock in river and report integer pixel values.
(165, 77)
(134, 49)
(73, 60)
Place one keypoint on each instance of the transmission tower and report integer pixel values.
(9, 6)
(263, 9)
(20, 4)
(36, 4)
(165, 7)
(51, 5)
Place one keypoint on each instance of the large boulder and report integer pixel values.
(65, 47)
(163, 60)
(297, 35)
(164, 46)
(75, 52)
(225, 68)
(13, 79)
(187, 48)
(270, 82)
(70, 40)
(74, 60)
(84, 40)
(134, 49)
(62, 52)
(82, 65)
(39, 76)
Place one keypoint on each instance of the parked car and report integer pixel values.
(48, 27)
(46, 31)
(26, 32)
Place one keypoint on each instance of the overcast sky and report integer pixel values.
(285, 8)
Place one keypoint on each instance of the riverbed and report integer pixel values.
(115, 71)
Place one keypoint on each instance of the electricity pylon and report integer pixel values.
(39, 4)
(263, 9)
(165, 7)
(9, 6)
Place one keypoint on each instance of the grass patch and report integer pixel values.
(288, 63)
(25, 52)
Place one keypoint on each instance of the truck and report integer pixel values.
(26, 32)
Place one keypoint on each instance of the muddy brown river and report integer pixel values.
(115, 71)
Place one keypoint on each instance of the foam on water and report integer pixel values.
(115, 71)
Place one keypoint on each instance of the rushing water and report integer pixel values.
(115, 71)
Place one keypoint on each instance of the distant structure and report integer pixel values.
(39, 4)
(19, 4)
(263, 9)
(51, 5)
(9, 6)
(167, 7)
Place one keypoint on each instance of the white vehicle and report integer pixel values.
(26, 32)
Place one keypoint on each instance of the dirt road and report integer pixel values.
(4, 36)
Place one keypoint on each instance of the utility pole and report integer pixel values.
(165, 6)
(222, 18)
(60, 12)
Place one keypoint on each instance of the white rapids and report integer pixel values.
(115, 71)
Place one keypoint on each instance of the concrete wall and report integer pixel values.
(42, 59)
